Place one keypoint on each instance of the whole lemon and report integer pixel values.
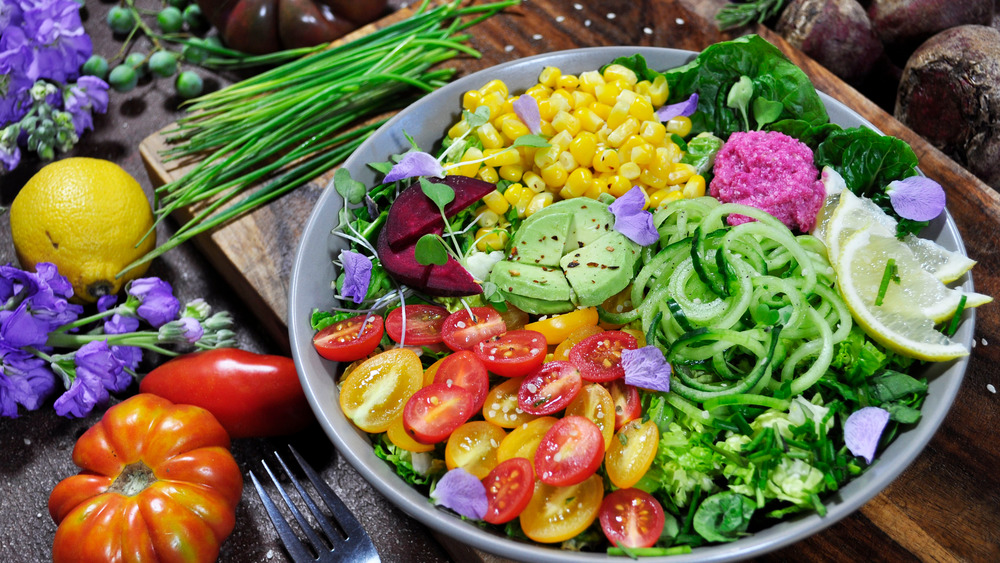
(87, 216)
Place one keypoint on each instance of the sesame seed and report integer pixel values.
(647, 30)
(536, 36)
(991, 388)
(586, 23)
(984, 342)
(611, 15)
(679, 21)
(577, 6)
(560, 19)
(508, 48)
(460, 324)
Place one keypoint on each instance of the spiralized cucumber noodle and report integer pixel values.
(742, 311)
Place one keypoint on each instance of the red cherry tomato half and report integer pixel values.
(423, 324)
(631, 518)
(599, 357)
(570, 452)
(345, 341)
(465, 370)
(513, 354)
(508, 489)
(462, 332)
(435, 411)
(550, 388)
(628, 404)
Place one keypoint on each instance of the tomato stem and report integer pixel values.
(134, 479)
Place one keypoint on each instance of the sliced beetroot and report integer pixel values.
(447, 280)
(413, 214)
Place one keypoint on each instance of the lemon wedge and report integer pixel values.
(904, 321)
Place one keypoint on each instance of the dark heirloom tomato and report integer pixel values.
(265, 26)
(157, 484)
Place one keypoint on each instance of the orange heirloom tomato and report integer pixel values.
(500, 406)
(158, 484)
(595, 403)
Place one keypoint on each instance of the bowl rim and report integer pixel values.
(356, 448)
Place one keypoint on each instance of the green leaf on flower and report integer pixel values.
(430, 249)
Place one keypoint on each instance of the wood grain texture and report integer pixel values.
(945, 506)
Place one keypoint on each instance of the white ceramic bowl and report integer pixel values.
(427, 121)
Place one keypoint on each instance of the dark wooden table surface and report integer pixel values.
(944, 507)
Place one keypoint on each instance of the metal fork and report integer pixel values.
(346, 540)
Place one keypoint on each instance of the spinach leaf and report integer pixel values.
(724, 516)
(714, 72)
(811, 135)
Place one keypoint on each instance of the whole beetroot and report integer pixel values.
(905, 24)
(837, 33)
(950, 94)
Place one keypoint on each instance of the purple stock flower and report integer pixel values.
(526, 108)
(20, 328)
(414, 164)
(631, 220)
(646, 368)
(97, 372)
(43, 306)
(685, 108)
(357, 275)
(462, 492)
(130, 356)
(157, 304)
(60, 45)
(88, 95)
(24, 380)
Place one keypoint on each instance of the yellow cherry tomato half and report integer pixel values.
(556, 514)
(431, 371)
(473, 447)
(558, 327)
(523, 441)
(562, 350)
(595, 402)
(631, 452)
(374, 393)
(501, 407)
(401, 439)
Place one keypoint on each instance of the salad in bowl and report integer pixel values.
(631, 301)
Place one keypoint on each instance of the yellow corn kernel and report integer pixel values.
(623, 132)
(561, 140)
(680, 125)
(513, 193)
(565, 123)
(695, 187)
(627, 96)
(602, 135)
(486, 218)
(547, 109)
(656, 197)
(607, 93)
(539, 202)
(583, 147)
(582, 99)
(606, 161)
(589, 80)
(523, 199)
(568, 82)
(567, 161)
(680, 173)
(618, 185)
(554, 175)
(496, 202)
(619, 72)
(488, 174)
(642, 154)
(654, 178)
(488, 240)
(597, 187)
(667, 155)
(659, 91)
(507, 107)
(589, 121)
(546, 129)
(565, 96)
(511, 172)
(471, 100)
(495, 85)
(472, 155)
(641, 109)
(549, 76)
(630, 170)
(533, 181)
(652, 131)
(601, 109)
(458, 129)
(579, 180)
(642, 88)
(669, 195)
(618, 115)
(539, 92)
(547, 156)
(500, 157)
(625, 149)
(489, 136)
(494, 101)
(512, 127)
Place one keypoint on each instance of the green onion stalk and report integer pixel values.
(286, 126)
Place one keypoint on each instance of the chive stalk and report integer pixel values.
(288, 125)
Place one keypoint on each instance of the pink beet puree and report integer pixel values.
(770, 171)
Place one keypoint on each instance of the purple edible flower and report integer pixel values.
(185, 329)
(97, 372)
(415, 164)
(87, 95)
(646, 368)
(462, 492)
(24, 380)
(357, 275)
(631, 220)
(157, 303)
(130, 356)
(526, 109)
(863, 430)
(917, 198)
(685, 108)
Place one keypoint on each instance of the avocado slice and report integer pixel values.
(541, 241)
(533, 288)
(600, 269)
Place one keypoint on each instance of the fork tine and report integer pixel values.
(292, 543)
(341, 513)
(318, 544)
(334, 534)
